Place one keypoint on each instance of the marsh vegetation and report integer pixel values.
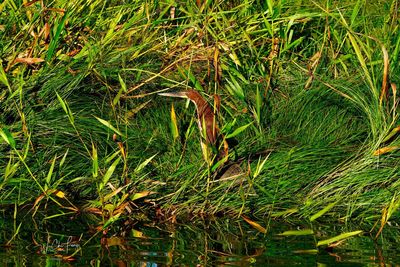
(304, 93)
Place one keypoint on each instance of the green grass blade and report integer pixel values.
(144, 164)
(55, 41)
(95, 163)
(50, 173)
(7, 136)
(64, 158)
(238, 131)
(109, 125)
(109, 173)
(323, 211)
(3, 77)
(297, 232)
(338, 238)
(174, 124)
(355, 12)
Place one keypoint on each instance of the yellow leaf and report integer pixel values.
(109, 207)
(385, 150)
(255, 225)
(392, 133)
(174, 123)
(60, 194)
(235, 58)
(141, 195)
(136, 233)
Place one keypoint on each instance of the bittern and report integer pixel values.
(206, 121)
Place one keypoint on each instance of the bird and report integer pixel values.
(206, 122)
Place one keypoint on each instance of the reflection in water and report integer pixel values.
(218, 243)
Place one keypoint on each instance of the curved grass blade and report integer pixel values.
(338, 238)
(174, 124)
(55, 40)
(297, 232)
(109, 125)
(95, 163)
(141, 195)
(50, 173)
(385, 150)
(7, 136)
(3, 77)
(109, 173)
(238, 130)
(323, 211)
(144, 163)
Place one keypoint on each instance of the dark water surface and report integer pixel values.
(224, 242)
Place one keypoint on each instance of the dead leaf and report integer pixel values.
(30, 3)
(58, 10)
(385, 150)
(114, 241)
(29, 60)
(73, 52)
(38, 200)
(93, 210)
(120, 209)
(255, 225)
(122, 149)
(73, 72)
(46, 31)
(385, 85)
(172, 12)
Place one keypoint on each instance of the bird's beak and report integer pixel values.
(174, 94)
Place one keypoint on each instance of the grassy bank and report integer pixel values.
(308, 106)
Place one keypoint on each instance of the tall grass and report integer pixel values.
(308, 105)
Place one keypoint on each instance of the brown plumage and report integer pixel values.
(206, 119)
(205, 114)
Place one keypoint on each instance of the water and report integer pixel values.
(224, 242)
